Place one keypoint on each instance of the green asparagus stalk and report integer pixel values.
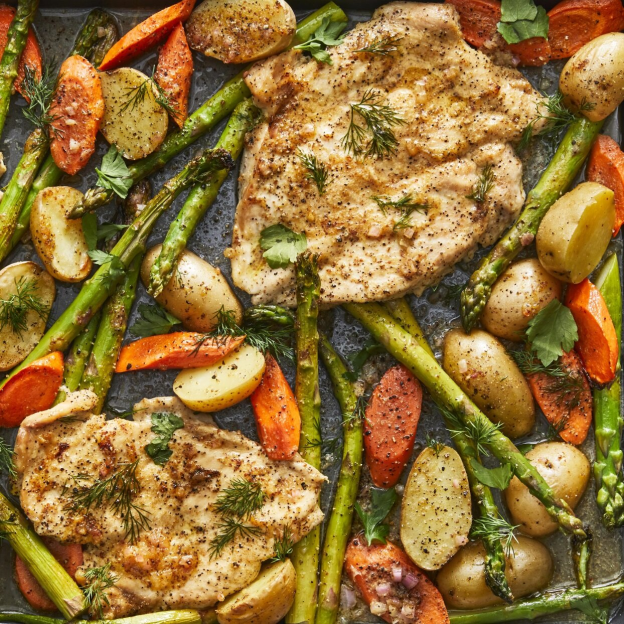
(98, 288)
(57, 584)
(607, 418)
(186, 616)
(16, 41)
(339, 523)
(555, 180)
(200, 199)
(447, 393)
(305, 557)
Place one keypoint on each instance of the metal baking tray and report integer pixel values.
(57, 23)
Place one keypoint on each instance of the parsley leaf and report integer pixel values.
(164, 425)
(116, 269)
(590, 607)
(328, 34)
(551, 332)
(382, 502)
(281, 245)
(359, 358)
(521, 20)
(114, 174)
(153, 322)
(492, 477)
(93, 233)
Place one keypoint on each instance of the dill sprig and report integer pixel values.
(240, 499)
(493, 527)
(385, 46)
(283, 546)
(357, 415)
(117, 491)
(480, 431)
(227, 530)
(7, 527)
(435, 445)
(406, 206)
(38, 93)
(98, 581)
(316, 440)
(14, 310)
(317, 171)
(6, 459)
(136, 96)
(483, 185)
(376, 138)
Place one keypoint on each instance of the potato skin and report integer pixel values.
(482, 368)
(462, 580)
(565, 468)
(517, 296)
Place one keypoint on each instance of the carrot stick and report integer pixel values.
(31, 390)
(597, 345)
(147, 34)
(277, 414)
(177, 350)
(392, 416)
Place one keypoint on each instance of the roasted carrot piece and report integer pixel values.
(573, 23)
(31, 390)
(370, 567)
(77, 109)
(478, 19)
(174, 72)
(597, 345)
(68, 555)
(277, 414)
(177, 350)
(566, 401)
(606, 166)
(147, 34)
(533, 52)
(392, 416)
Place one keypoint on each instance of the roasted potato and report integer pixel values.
(517, 296)
(436, 513)
(565, 468)
(60, 241)
(195, 293)
(592, 81)
(462, 580)
(241, 32)
(133, 120)
(33, 290)
(482, 368)
(223, 384)
(575, 232)
(265, 601)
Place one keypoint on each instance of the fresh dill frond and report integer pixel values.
(227, 530)
(136, 96)
(7, 464)
(435, 445)
(385, 46)
(489, 528)
(98, 581)
(357, 415)
(283, 546)
(376, 138)
(479, 430)
(483, 185)
(315, 440)
(406, 206)
(242, 498)
(317, 171)
(14, 310)
(8, 526)
(38, 93)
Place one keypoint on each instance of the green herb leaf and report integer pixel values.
(382, 502)
(359, 358)
(492, 477)
(89, 228)
(241, 498)
(98, 581)
(521, 20)
(327, 35)
(15, 308)
(116, 269)
(551, 332)
(283, 546)
(114, 174)
(6, 459)
(164, 425)
(595, 612)
(281, 245)
(154, 321)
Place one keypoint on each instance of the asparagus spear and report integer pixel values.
(185, 616)
(557, 177)
(200, 199)
(339, 524)
(305, 555)
(607, 419)
(208, 115)
(447, 393)
(488, 511)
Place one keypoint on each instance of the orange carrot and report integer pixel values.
(478, 19)
(277, 414)
(392, 418)
(370, 567)
(597, 344)
(68, 555)
(31, 390)
(177, 350)
(606, 166)
(77, 109)
(147, 34)
(565, 401)
(533, 52)
(573, 23)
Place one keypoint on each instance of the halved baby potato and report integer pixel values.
(18, 282)
(60, 241)
(223, 384)
(133, 120)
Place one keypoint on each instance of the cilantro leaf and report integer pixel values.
(382, 502)
(89, 227)
(328, 34)
(551, 332)
(164, 425)
(492, 477)
(521, 20)
(153, 322)
(359, 358)
(281, 245)
(114, 174)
